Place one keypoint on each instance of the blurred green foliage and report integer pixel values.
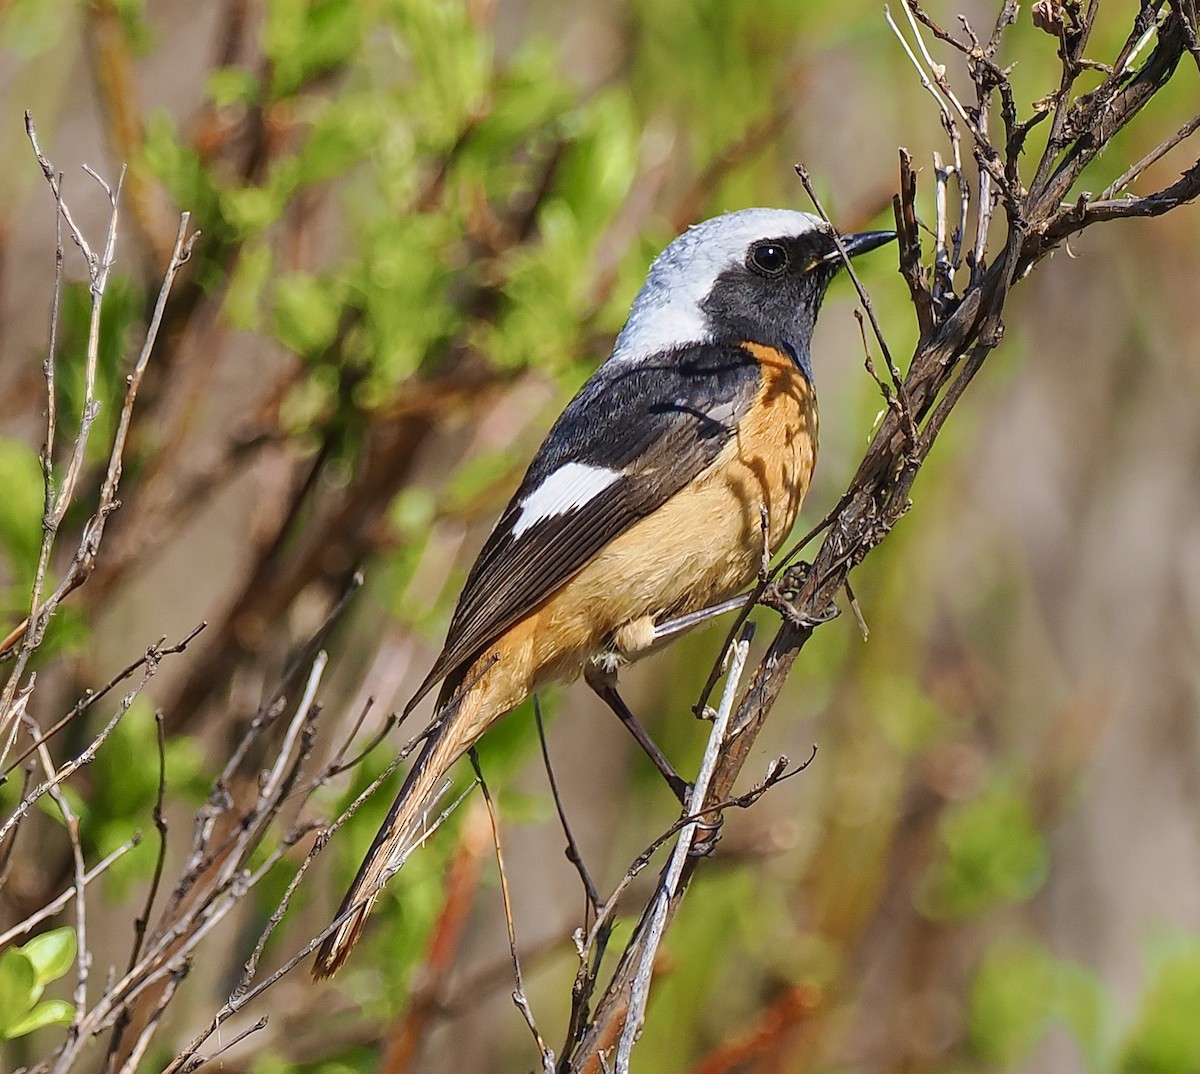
(992, 851)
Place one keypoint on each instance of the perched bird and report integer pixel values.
(648, 503)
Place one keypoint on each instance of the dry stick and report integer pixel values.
(863, 296)
(669, 886)
(1186, 131)
(160, 824)
(117, 998)
(83, 957)
(934, 82)
(56, 504)
(323, 837)
(269, 789)
(518, 996)
(271, 708)
(200, 1060)
(901, 404)
(141, 922)
(243, 994)
(776, 773)
(23, 928)
(140, 1046)
(338, 763)
(47, 453)
(275, 778)
(86, 757)
(426, 1001)
(84, 559)
(909, 239)
(168, 952)
(91, 697)
(240, 995)
(184, 1060)
(99, 272)
(246, 835)
(17, 713)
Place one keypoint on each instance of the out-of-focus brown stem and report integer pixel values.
(406, 1036)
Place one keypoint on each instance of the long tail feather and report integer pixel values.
(407, 823)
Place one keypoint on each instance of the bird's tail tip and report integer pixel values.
(336, 948)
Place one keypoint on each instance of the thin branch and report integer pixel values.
(83, 956)
(140, 1046)
(670, 885)
(518, 996)
(57, 905)
(88, 754)
(91, 697)
(1156, 154)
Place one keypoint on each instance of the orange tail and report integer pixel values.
(407, 823)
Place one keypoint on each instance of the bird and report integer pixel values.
(681, 461)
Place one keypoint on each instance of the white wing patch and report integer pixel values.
(569, 487)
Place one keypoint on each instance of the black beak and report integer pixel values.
(862, 243)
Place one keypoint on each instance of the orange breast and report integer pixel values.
(703, 544)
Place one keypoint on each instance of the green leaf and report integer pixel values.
(228, 85)
(304, 38)
(18, 988)
(1008, 1002)
(52, 954)
(250, 274)
(21, 519)
(52, 1012)
(1165, 1040)
(33, 27)
(307, 310)
(251, 209)
(992, 853)
(1020, 990)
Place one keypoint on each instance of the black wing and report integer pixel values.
(653, 426)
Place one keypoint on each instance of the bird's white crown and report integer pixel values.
(667, 311)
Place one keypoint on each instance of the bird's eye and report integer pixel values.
(768, 258)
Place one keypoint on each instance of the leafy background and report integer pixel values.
(423, 223)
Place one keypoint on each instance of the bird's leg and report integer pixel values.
(603, 681)
(663, 631)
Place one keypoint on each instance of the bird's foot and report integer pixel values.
(782, 593)
(708, 834)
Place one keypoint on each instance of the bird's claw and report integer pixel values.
(781, 595)
(708, 834)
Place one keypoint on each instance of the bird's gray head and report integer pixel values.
(755, 275)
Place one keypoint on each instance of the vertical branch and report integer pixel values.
(56, 503)
(83, 957)
(519, 998)
(669, 886)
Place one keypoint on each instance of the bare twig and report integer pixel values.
(519, 998)
(83, 955)
(57, 905)
(91, 697)
(669, 887)
(64, 772)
